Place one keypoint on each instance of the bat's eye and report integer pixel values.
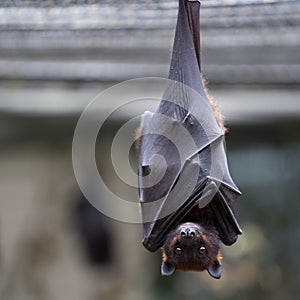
(202, 250)
(178, 251)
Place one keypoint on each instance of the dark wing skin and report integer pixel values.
(182, 160)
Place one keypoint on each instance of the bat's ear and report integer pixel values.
(215, 269)
(167, 269)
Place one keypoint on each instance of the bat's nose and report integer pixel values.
(187, 232)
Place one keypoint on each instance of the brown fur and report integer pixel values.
(190, 259)
(205, 222)
(207, 236)
(218, 115)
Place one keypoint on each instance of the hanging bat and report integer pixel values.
(186, 193)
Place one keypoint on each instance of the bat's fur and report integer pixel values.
(189, 258)
(182, 252)
(217, 113)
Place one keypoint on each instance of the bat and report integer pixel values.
(186, 193)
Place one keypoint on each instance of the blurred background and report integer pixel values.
(55, 57)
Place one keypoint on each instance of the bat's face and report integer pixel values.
(191, 247)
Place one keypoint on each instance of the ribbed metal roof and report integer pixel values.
(108, 40)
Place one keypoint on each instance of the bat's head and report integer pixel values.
(192, 247)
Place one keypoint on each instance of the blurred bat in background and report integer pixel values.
(186, 193)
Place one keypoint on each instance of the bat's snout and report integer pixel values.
(188, 232)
